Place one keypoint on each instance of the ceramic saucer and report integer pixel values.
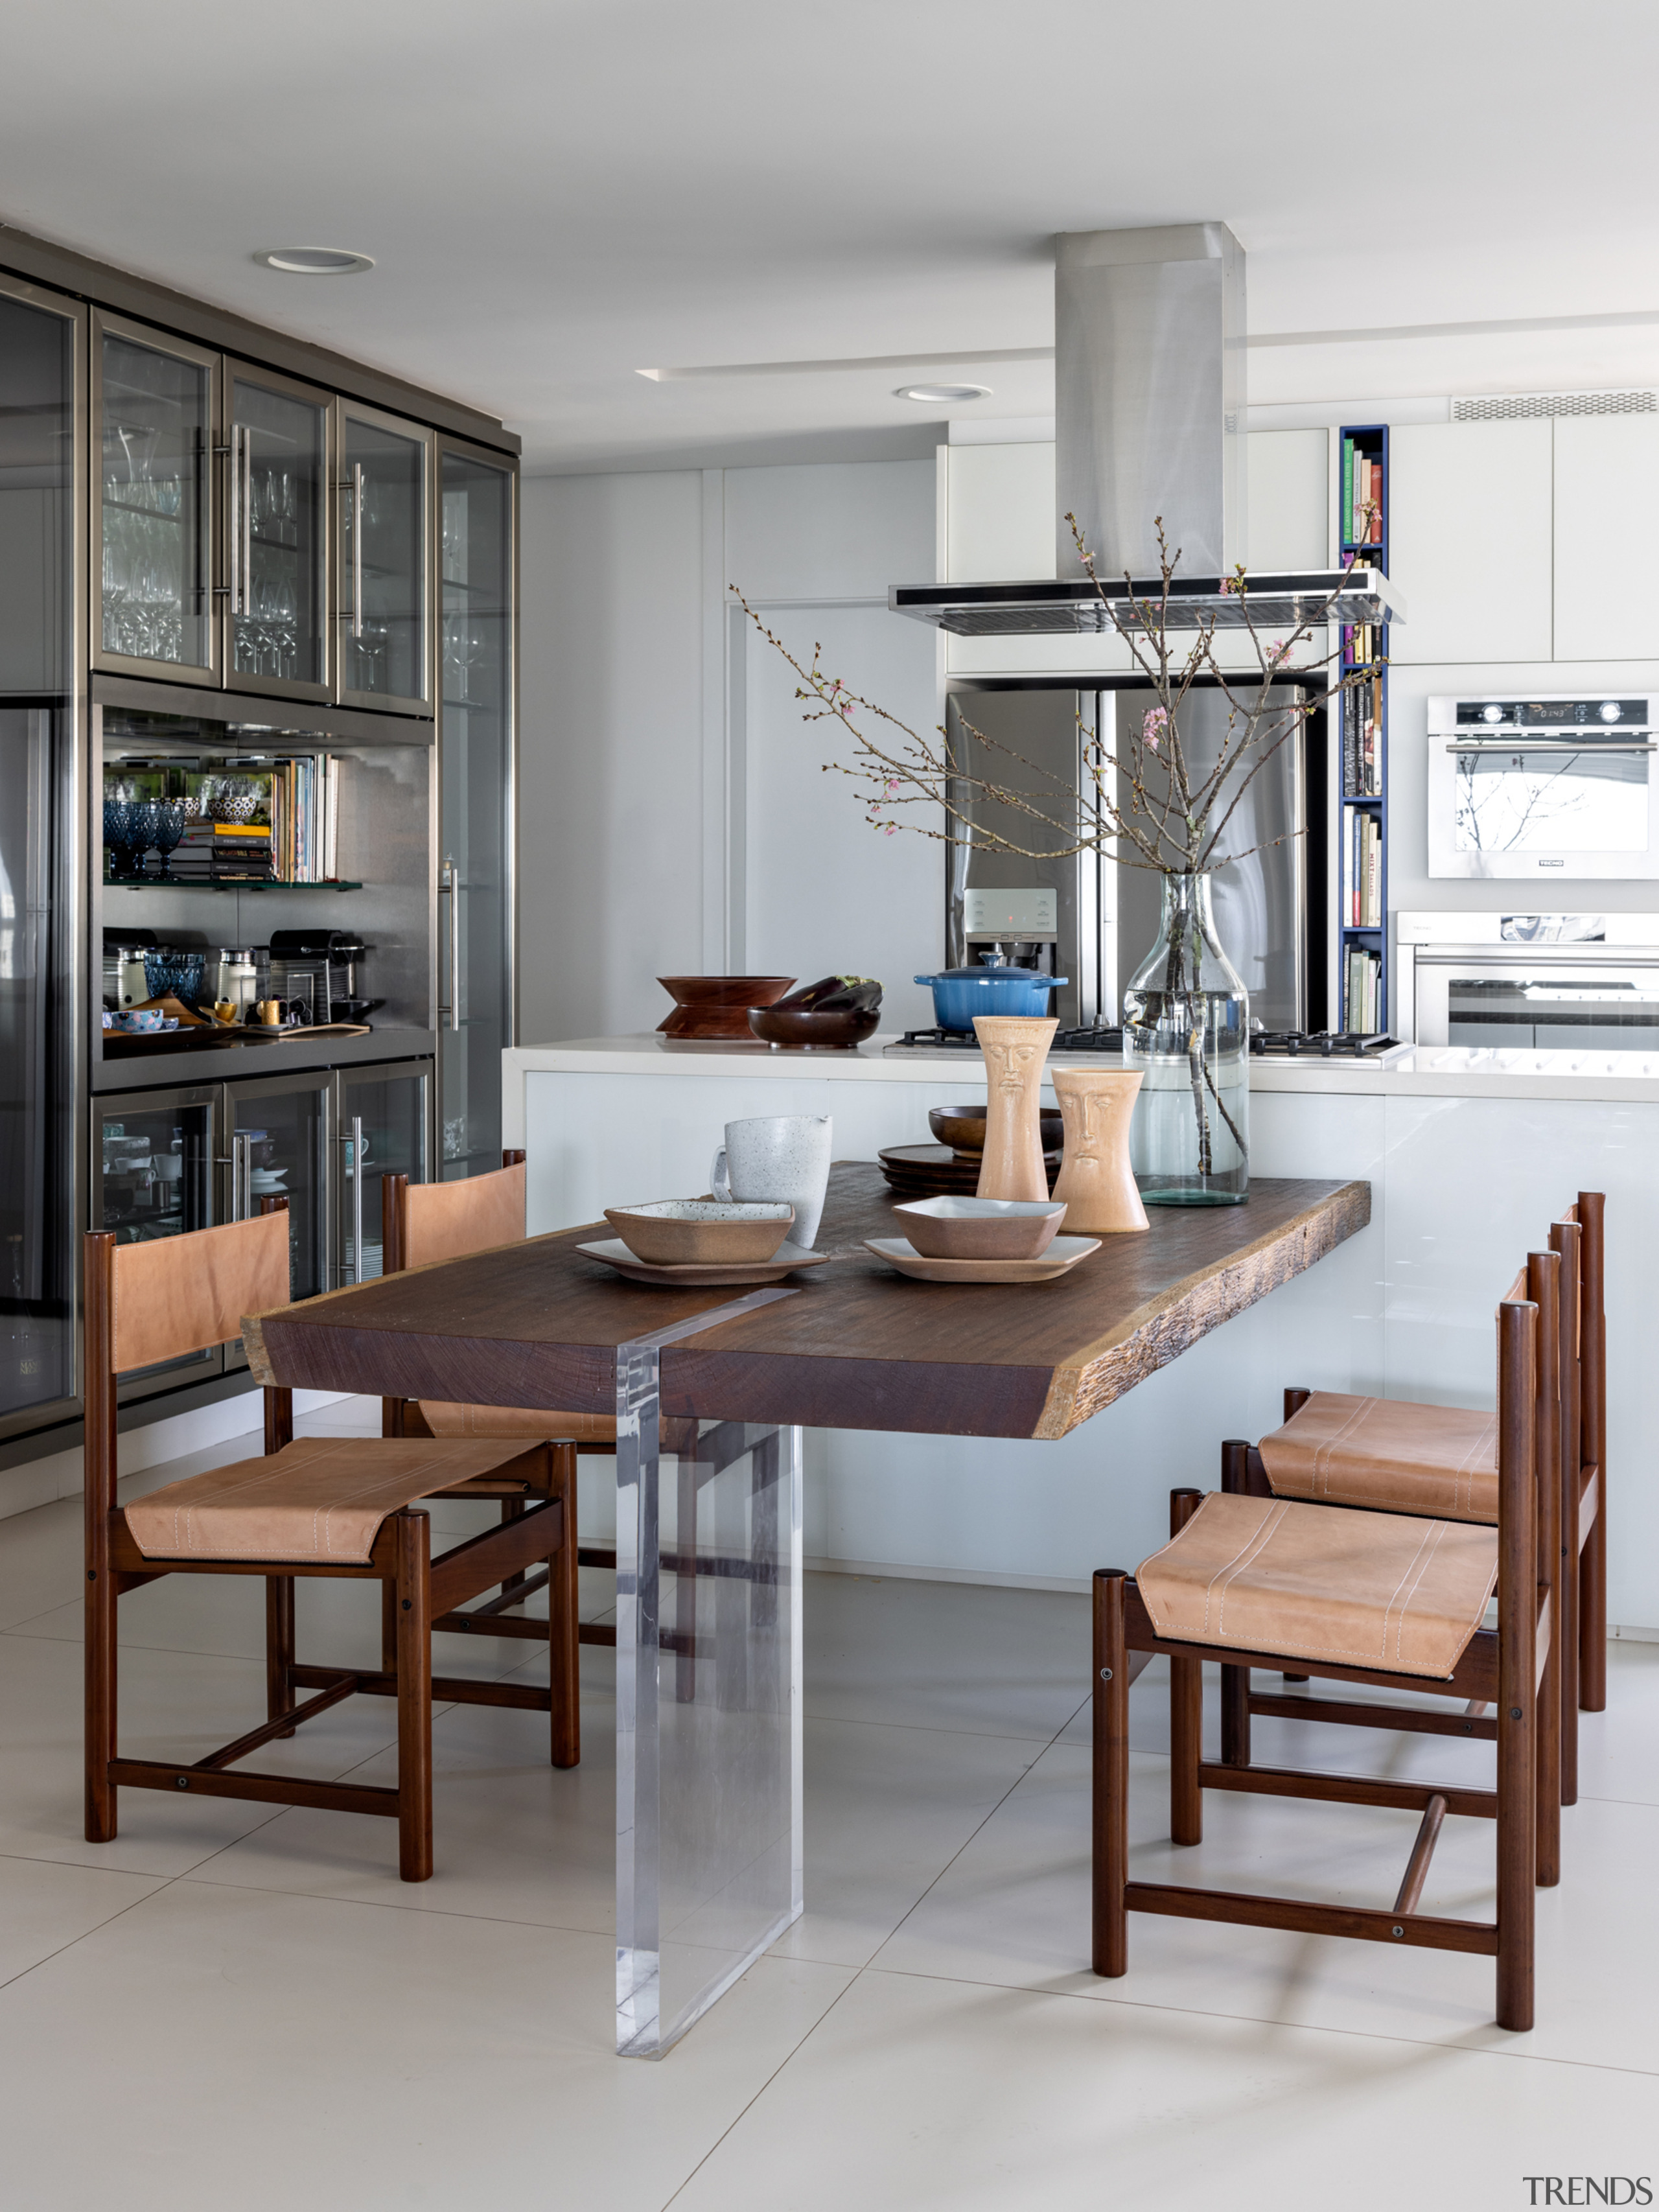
(615, 1253)
(1062, 1254)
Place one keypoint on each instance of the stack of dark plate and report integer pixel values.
(932, 1170)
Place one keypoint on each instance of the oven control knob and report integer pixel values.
(1609, 710)
(1491, 713)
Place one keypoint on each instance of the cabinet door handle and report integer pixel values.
(247, 519)
(356, 1198)
(356, 549)
(449, 884)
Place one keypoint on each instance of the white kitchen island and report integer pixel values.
(1469, 1154)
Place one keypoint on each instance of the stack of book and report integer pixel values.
(1362, 714)
(305, 812)
(223, 852)
(1364, 872)
(1362, 991)
(1362, 488)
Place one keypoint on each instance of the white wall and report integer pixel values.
(610, 775)
(674, 815)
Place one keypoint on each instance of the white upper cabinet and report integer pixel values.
(998, 513)
(1288, 522)
(1469, 540)
(1607, 491)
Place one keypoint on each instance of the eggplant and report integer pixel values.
(836, 995)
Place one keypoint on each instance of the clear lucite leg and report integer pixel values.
(708, 1691)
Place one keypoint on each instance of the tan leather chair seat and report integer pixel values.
(1388, 1455)
(319, 1498)
(1360, 1590)
(533, 1424)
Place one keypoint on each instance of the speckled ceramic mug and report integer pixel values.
(778, 1156)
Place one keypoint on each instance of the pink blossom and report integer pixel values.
(890, 829)
(1157, 721)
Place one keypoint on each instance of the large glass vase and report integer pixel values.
(1187, 1029)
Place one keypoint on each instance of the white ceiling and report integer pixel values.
(560, 193)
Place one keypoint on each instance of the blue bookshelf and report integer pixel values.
(1362, 982)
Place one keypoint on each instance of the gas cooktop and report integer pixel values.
(1100, 1039)
(1321, 1044)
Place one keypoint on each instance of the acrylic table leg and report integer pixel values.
(709, 1772)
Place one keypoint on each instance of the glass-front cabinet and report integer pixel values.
(384, 561)
(155, 405)
(383, 1116)
(276, 1129)
(475, 809)
(154, 1174)
(277, 534)
(42, 497)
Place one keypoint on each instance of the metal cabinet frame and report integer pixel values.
(237, 371)
(346, 594)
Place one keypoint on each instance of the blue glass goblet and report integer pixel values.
(167, 830)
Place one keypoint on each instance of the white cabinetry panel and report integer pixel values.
(1288, 522)
(999, 515)
(1607, 580)
(1470, 502)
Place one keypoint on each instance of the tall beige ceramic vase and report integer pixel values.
(1096, 1105)
(1015, 1047)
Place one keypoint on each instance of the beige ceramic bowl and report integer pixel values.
(698, 1232)
(953, 1228)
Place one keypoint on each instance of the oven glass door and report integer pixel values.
(1553, 798)
(1570, 1008)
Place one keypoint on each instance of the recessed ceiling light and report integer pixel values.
(942, 395)
(315, 260)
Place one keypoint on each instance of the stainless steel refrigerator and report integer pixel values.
(1093, 919)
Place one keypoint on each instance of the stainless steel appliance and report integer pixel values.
(1538, 983)
(1558, 785)
(1094, 920)
(1149, 417)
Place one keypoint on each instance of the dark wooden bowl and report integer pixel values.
(806, 1031)
(963, 1128)
(718, 1005)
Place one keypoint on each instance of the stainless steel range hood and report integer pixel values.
(1149, 412)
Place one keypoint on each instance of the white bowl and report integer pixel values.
(953, 1228)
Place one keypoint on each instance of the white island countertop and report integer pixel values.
(1415, 1070)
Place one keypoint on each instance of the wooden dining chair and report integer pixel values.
(1394, 1456)
(421, 1224)
(1390, 1599)
(335, 1506)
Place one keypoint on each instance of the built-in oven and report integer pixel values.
(1534, 982)
(1543, 789)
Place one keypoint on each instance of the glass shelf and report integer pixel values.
(247, 883)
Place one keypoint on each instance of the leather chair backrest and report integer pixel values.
(447, 1220)
(174, 1294)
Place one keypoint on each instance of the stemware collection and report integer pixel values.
(137, 822)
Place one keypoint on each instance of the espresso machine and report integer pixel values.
(321, 968)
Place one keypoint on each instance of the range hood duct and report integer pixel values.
(1150, 421)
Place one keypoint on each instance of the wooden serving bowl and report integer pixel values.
(813, 1032)
(697, 1232)
(718, 1005)
(963, 1128)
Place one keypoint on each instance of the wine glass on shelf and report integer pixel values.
(143, 812)
(167, 830)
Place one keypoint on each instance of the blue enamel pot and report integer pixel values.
(959, 994)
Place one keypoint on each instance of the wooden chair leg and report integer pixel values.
(513, 1509)
(1593, 1613)
(100, 1704)
(279, 1646)
(1517, 1698)
(1186, 1714)
(388, 1628)
(563, 1648)
(1235, 1680)
(1111, 1775)
(413, 1599)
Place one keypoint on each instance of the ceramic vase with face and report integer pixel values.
(1015, 1047)
(1097, 1181)
(783, 1157)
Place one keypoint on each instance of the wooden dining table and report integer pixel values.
(716, 1385)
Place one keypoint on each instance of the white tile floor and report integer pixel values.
(229, 2007)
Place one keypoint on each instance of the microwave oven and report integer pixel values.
(1543, 789)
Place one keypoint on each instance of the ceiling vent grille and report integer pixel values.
(1514, 409)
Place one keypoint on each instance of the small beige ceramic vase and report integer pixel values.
(1096, 1105)
(1015, 1047)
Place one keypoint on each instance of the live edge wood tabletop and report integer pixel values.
(856, 1347)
